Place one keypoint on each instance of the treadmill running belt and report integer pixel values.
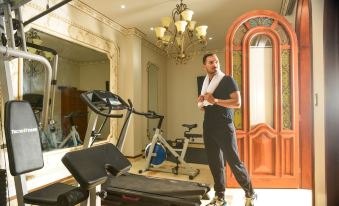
(150, 186)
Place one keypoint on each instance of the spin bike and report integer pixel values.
(73, 134)
(159, 145)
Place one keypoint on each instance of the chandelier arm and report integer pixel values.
(195, 42)
(169, 31)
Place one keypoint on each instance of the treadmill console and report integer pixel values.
(99, 100)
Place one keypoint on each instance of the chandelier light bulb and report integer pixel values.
(31, 50)
(181, 26)
(37, 41)
(187, 15)
(191, 25)
(166, 21)
(160, 32)
(201, 31)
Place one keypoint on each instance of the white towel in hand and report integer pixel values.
(210, 87)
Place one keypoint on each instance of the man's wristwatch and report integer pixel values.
(216, 101)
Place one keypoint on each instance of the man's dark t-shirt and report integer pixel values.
(216, 115)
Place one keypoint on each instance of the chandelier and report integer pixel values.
(178, 39)
(31, 67)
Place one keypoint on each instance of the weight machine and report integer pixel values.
(19, 115)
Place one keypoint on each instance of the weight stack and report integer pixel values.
(3, 187)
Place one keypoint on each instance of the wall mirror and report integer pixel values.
(152, 105)
(78, 69)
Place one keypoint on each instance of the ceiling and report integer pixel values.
(218, 15)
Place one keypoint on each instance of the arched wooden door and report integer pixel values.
(269, 148)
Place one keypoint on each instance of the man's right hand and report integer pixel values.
(201, 98)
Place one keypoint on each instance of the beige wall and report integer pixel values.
(151, 55)
(319, 111)
(130, 87)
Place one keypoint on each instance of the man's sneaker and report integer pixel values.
(217, 201)
(249, 199)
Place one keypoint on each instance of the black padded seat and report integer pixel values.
(25, 155)
(189, 135)
(190, 126)
(50, 195)
(90, 167)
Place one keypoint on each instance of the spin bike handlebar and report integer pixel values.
(148, 115)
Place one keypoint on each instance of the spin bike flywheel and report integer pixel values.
(160, 151)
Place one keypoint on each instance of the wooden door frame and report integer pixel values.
(304, 33)
(283, 134)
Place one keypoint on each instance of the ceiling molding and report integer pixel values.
(66, 59)
(136, 32)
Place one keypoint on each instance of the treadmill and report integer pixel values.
(127, 188)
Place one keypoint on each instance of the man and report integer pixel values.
(219, 95)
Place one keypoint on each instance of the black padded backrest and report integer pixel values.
(88, 165)
(23, 138)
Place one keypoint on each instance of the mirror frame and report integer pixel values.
(58, 26)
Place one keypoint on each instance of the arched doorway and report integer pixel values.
(267, 123)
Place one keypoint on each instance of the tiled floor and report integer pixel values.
(234, 197)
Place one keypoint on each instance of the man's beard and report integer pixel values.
(215, 71)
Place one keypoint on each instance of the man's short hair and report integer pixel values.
(205, 57)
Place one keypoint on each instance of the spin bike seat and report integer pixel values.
(188, 135)
(190, 126)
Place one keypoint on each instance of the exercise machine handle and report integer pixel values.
(154, 115)
(130, 103)
(148, 115)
